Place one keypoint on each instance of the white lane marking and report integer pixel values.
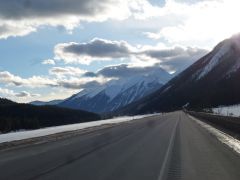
(165, 161)
(221, 136)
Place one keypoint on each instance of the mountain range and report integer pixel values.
(117, 93)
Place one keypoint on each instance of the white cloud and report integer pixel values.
(49, 62)
(34, 81)
(7, 93)
(71, 82)
(63, 71)
(83, 82)
(56, 94)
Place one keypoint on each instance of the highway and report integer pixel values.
(170, 146)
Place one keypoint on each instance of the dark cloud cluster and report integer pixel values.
(21, 17)
(99, 48)
(24, 9)
(24, 94)
(164, 53)
(95, 49)
(176, 59)
(125, 71)
(173, 52)
(79, 85)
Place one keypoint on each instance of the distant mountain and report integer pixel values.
(14, 116)
(117, 93)
(212, 81)
(44, 103)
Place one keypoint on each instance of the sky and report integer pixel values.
(53, 49)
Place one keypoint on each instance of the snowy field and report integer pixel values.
(15, 136)
(228, 110)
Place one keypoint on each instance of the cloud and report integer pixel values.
(126, 71)
(164, 53)
(102, 49)
(176, 58)
(71, 82)
(20, 17)
(89, 74)
(188, 22)
(96, 49)
(24, 94)
(30, 9)
(62, 71)
(82, 83)
(34, 81)
(49, 62)
(10, 93)
(6, 92)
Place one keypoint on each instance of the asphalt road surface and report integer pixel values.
(170, 146)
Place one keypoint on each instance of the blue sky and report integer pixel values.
(47, 48)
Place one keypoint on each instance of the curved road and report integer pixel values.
(169, 146)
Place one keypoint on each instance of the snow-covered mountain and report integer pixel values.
(212, 81)
(117, 93)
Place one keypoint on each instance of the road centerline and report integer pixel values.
(168, 152)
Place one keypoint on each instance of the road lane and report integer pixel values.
(171, 146)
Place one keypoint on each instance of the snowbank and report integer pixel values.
(228, 110)
(15, 136)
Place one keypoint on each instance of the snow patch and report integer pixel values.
(16, 136)
(215, 60)
(233, 110)
(90, 93)
(223, 137)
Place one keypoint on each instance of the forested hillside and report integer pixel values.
(14, 116)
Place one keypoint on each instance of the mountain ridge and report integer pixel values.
(211, 81)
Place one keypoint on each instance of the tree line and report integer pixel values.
(14, 116)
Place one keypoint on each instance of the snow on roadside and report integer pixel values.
(227, 110)
(15, 136)
(223, 137)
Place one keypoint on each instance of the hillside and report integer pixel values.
(14, 116)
